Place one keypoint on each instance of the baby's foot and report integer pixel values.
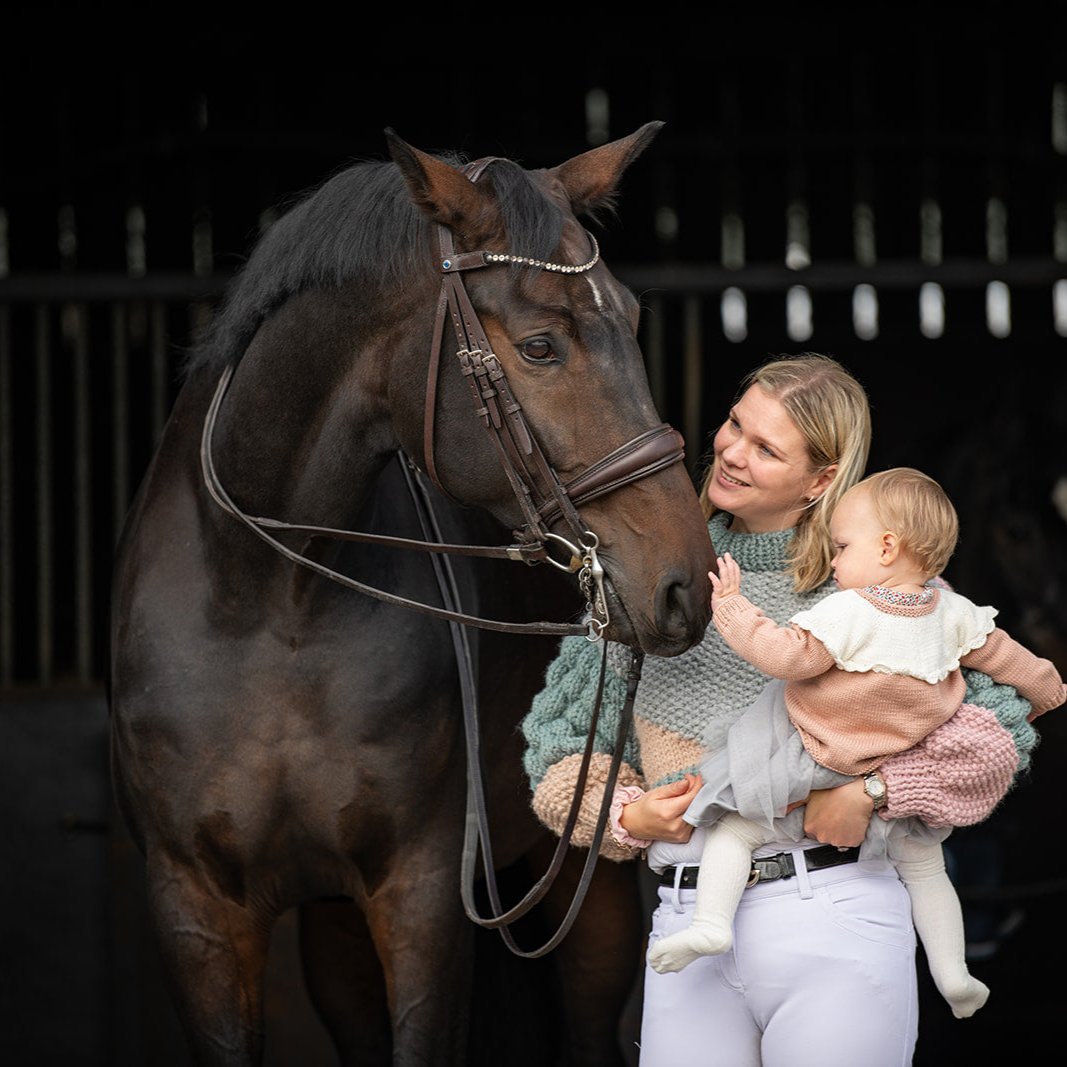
(966, 996)
(705, 937)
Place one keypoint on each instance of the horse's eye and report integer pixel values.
(537, 349)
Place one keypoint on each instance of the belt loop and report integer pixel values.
(679, 870)
(803, 881)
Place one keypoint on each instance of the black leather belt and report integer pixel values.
(771, 868)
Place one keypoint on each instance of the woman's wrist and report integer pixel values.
(624, 795)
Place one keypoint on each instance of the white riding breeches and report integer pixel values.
(822, 973)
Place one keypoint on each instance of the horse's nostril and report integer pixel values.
(682, 609)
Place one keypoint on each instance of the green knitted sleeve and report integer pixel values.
(1009, 708)
(558, 722)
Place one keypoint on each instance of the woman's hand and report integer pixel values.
(657, 816)
(839, 816)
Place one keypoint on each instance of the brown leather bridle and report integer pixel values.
(543, 499)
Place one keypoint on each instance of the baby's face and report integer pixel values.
(858, 546)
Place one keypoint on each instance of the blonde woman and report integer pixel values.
(822, 960)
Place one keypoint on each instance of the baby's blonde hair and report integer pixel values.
(830, 409)
(914, 507)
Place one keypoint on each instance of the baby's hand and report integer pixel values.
(727, 582)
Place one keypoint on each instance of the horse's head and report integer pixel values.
(565, 340)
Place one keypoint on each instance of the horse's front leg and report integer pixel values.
(425, 944)
(214, 952)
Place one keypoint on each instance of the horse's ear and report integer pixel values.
(438, 190)
(590, 179)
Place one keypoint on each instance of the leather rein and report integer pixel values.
(542, 498)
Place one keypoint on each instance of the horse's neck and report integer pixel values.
(305, 427)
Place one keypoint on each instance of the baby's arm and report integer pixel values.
(786, 652)
(1008, 662)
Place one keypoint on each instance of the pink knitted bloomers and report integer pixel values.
(978, 761)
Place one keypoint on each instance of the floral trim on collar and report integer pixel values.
(903, 600)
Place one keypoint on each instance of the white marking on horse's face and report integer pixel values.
(596, 295)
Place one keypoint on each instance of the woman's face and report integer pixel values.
(762, 472)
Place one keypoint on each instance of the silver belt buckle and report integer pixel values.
(771, 868)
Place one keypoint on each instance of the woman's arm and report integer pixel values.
(956, 776)
(556, 730)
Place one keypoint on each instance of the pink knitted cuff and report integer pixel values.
(955, 776)
(554, 795)
(623, 795)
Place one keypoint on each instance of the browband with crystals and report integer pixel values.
(558, 268)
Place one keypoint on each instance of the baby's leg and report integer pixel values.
(724, 869)
(935, 909)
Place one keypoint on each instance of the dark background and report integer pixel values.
(140, 157)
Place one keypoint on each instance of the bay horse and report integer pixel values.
(279, 740)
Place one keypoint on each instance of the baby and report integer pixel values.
(868, 672)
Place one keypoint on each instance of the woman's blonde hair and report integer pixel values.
(830, 409)
(918, 511)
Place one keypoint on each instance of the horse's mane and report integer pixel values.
(359, 225)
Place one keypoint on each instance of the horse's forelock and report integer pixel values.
(533, 224)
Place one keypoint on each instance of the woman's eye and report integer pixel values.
(537, 349)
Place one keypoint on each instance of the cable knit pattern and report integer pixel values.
(975, 760)
(558, 724)
(686, 703)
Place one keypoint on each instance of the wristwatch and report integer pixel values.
(874, 787)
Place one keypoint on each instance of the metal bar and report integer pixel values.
(7, 508)
(120, 419)
(693, 347)
(1038, 272)
(43, 358)
(830, 275)
(106, 288)
(83, 496)
(157, 400)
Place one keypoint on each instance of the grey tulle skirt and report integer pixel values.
(764, 767)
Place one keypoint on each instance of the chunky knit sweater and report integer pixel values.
(686, 704)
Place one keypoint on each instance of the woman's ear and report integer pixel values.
(822, 482)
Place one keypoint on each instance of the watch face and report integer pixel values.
(875, 787)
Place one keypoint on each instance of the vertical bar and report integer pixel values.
(157, 400)
(43, 359)
(7, 507)
(83, 497)
(694, 381)
(120, 419)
